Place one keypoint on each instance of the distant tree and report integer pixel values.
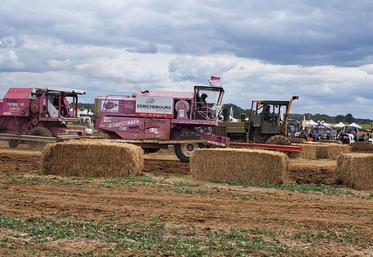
(349, 118)
(86, 106)
(340, 118)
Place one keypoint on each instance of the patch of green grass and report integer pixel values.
(112, 182)
(366, 126)
(183, 190)
(203, 192)
(321, 188)
(34, 180)
(185, 183)
(147, 238)
(154, 238)
(345, 237)
(129, 180)
(303, 188)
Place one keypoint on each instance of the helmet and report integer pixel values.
(203, 96)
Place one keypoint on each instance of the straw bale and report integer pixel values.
(356, 170)
(331, 151)
(308, 151)
(244, 165)
(362, 147)
(97, 158)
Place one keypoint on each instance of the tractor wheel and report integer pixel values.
(278, 140)
(185, 151)
(13, 144)
(39, 131)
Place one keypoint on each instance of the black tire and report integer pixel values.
(151, 150)
(39, 131)
(13, 144)
(278, 140)
(257, 136)
(185, 151)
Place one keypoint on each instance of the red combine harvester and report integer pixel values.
(155, 120)
(36, 115)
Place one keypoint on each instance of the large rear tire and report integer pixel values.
(13, 144)
(278, 140)
(185, 151)
(39, 131)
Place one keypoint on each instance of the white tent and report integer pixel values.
(309, 123)
(340, 125)
(325, 124)
(86, 113)
(354, 125)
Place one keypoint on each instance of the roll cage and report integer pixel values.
(211, 107)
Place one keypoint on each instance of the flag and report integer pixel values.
(215, 81)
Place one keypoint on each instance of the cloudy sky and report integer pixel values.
(321, 50)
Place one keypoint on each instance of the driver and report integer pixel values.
(203, 98)
(204, 105)
(266, 112)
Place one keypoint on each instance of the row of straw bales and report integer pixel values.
(240, 165)
(110, 159)
(249, 166)
(322, 150)
(92, 158)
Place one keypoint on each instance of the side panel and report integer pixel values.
(117, 106)
(16, 102)
(124, 127)
(155, 106)
(157, 129)
(1, 107)
(15, 107)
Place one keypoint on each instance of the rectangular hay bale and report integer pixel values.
(362, 147)
(244, 165)
(308, 151)
(331, 151)
(96, 158)
(356, 170)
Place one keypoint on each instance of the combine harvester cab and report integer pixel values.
(29, 114)
(155, 119)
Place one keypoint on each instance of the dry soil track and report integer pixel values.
(25, 194)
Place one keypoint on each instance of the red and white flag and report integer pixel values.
(215, 81)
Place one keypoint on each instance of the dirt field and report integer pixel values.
(167, 213)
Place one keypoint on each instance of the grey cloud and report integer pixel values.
(149, 48)
(300, 32)
(326, 89)
(321, 50)
(9, 61)
(198, 69)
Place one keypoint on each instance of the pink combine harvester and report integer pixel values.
(29, 114)
(155, 120)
